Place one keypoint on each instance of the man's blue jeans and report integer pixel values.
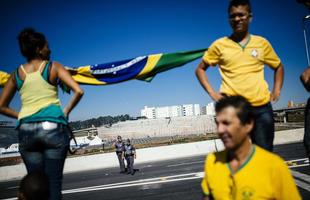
(263, 133)
(43, 146)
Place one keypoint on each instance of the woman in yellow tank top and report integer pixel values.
(42, 124)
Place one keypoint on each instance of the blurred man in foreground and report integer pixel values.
(244, 170)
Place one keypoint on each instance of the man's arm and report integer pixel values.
(204, 81)
(278, 82)
(305, 78)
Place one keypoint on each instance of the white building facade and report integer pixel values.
(148, 112)
(170, 111)
(208, 109)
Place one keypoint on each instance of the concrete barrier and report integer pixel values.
(289, 136)
(107, 160)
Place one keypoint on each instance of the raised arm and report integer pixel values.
(278, 82)
(6, 96)
(65, 77)
(204, 81)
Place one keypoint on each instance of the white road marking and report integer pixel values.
(297, 160)
(167, 179)
(302, 184)
(14, 187)
(106, 187)
(301, 162)
(300, 175)
(146, 181)
(188, 163)
(300, 165)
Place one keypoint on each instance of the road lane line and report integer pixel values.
(188, 163)
(300, 159)
(105, 187)
(14, 187)
(300, 175)
(295, 166)
(145, 180)
(303, 185)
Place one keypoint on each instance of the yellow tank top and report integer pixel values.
(36, 93)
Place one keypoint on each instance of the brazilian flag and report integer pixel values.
(141, 68)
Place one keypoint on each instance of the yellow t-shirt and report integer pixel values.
(263, 176)
(242, 68)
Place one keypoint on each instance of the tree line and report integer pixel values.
(101, 121)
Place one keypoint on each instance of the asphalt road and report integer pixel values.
(172, 179)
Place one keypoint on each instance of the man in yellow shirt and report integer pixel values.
(241, 58)
(243, 170)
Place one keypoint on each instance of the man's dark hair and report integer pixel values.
(29, 42)
(34, 186)
(242, 106)
(235, 3)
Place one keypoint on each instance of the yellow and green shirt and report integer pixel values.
(263, 176)
(242, 67)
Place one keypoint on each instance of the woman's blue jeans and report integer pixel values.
(44, 146)
(263, 133)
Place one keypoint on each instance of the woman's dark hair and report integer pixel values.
(243, 107)
(30, 42)
(235, 3)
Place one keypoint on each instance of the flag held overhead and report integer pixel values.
(142, 68)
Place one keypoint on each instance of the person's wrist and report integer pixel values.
(212, 94)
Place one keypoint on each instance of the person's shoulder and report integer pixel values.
(259, 38)
(221, 40)
(214, 157)
(269, 157)
(56, 63)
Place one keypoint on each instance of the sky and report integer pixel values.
(83, 32)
